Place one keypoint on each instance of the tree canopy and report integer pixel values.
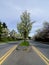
(24, 27)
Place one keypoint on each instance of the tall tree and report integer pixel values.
(4, 25)
(0, 30)
(24, 27)
(43, 35)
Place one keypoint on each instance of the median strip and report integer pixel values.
(46, 60)
(3, 58)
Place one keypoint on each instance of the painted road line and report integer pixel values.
(3, 58)
(46, 60)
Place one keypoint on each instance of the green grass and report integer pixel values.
(24, 43)
(6, 40)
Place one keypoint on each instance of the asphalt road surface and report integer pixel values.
(23, 58)
(19, 57)
(5, 47)
(44, 48)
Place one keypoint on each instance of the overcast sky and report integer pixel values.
(10, 11)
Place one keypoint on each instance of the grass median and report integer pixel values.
(24, 43)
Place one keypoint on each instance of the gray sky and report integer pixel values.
(10, 11)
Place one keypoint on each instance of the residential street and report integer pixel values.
(44, 48)
(23, 58)
(24, 32)
(5, 47)
(19, 57)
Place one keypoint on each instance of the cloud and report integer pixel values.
(10, 11)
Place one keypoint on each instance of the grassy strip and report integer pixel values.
(24, 43)
(6, 40)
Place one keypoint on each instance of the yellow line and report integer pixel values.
(41, 55)
(3, 58)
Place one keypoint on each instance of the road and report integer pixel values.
(44, 48)
(5, 47)
(22, 57)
